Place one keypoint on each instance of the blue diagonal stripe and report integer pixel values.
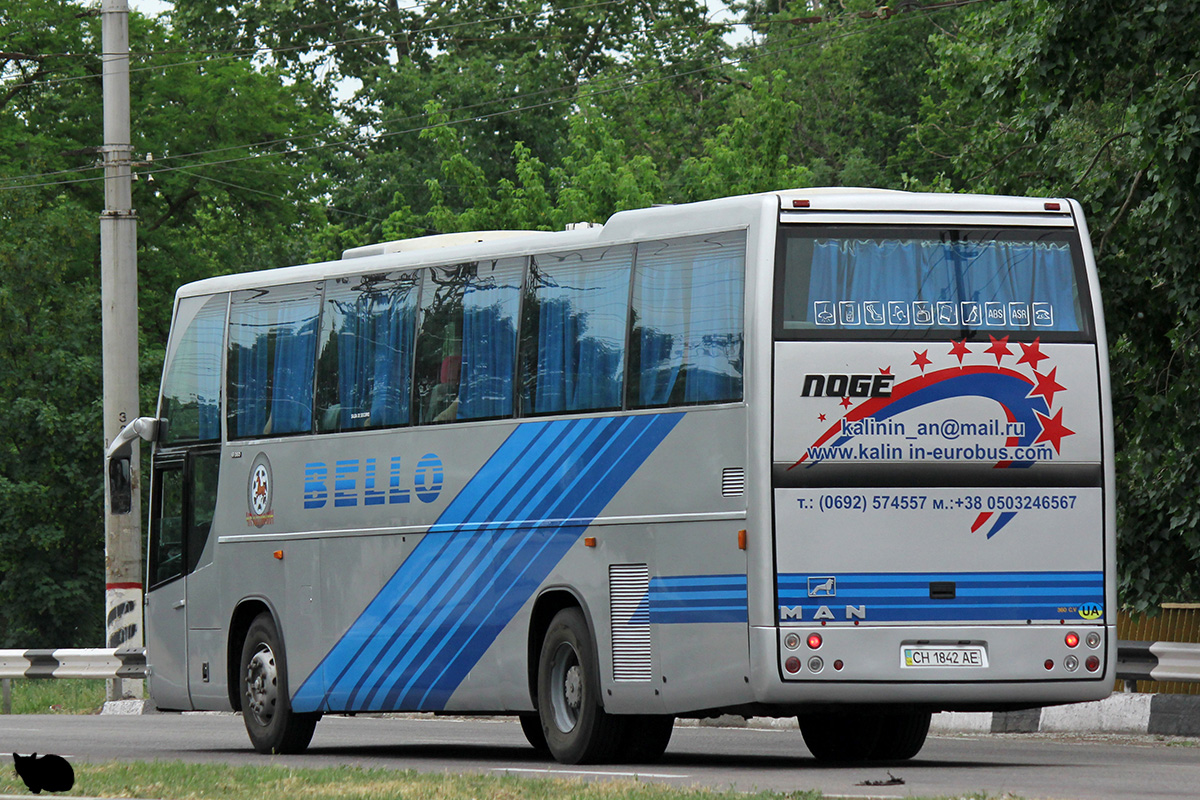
(480, 563)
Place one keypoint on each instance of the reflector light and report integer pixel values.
(278, 554)
(800, 203)
(1092, 664)
(792, 665)
(1052, 206)
(1072, 639)
(814, 641)
(1049, 663)
(838, 665)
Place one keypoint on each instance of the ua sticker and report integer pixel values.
(1091, 611)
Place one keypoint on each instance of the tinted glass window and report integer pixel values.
(205, 471)
(491, 300)
(191, 394)
(439, 343)
(166, 527)
(272, 358)
(573, 331)
(364, 373)
(686, 343)
(869, 282)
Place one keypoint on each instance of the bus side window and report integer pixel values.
(272, 359)
(573, 331)
(687, 338)
(364, 370)
(439, 342)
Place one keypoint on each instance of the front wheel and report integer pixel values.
(577, 729)
(270, 721)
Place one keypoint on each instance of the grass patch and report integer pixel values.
(57, 696)
(179, 781)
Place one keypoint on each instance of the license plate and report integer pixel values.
(943, 656)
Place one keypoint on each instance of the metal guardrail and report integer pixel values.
(1136, 661)
(1143, 661)
(1158, 661)
(83, 662)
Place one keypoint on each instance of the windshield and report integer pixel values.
(857, 282)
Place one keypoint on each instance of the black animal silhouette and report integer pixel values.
(50, 772)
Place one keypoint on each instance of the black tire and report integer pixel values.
(902, 735)
(646, 737)
(262, 683)
(841, 736)
(531, 726)
(576, 727)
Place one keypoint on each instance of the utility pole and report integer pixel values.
(119, 322)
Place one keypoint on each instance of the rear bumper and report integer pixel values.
(871, 668)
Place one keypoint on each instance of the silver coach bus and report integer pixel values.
(840, 455)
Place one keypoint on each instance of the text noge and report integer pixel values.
(855, 385)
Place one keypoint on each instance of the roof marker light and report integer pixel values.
(1053, 207)
(801, 203)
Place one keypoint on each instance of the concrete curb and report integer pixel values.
(1163, 714)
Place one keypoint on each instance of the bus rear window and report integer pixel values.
(841, 282)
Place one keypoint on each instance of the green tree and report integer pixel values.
(230, 192)
(1102, 100)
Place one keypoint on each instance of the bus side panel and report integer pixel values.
(407, 617)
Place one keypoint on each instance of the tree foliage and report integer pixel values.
(283, 132)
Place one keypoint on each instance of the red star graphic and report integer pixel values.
(999, 348)
(846, 402)
(1031, 354)
(1053, 431)
(960, 349)
(821, 417)
(921, 360)
(1047, 387)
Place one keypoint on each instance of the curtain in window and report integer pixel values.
(273, 339)
(364, 371)
(489, 350)
(863, 283)
(191, 395)
(574, 354)
(688, 320)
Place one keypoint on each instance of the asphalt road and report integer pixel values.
(1028, 765)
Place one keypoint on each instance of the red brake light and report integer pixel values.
(814, 641)
(1072, 639)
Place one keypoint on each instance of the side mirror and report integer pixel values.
(120, 486)
(118, 462)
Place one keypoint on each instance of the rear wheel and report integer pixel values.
(902, 735)
(841, 736)
(576, 727)
(646, 737)
(272, 725)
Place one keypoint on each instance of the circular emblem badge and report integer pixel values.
(258, 492)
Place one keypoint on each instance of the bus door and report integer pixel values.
(183, 498)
